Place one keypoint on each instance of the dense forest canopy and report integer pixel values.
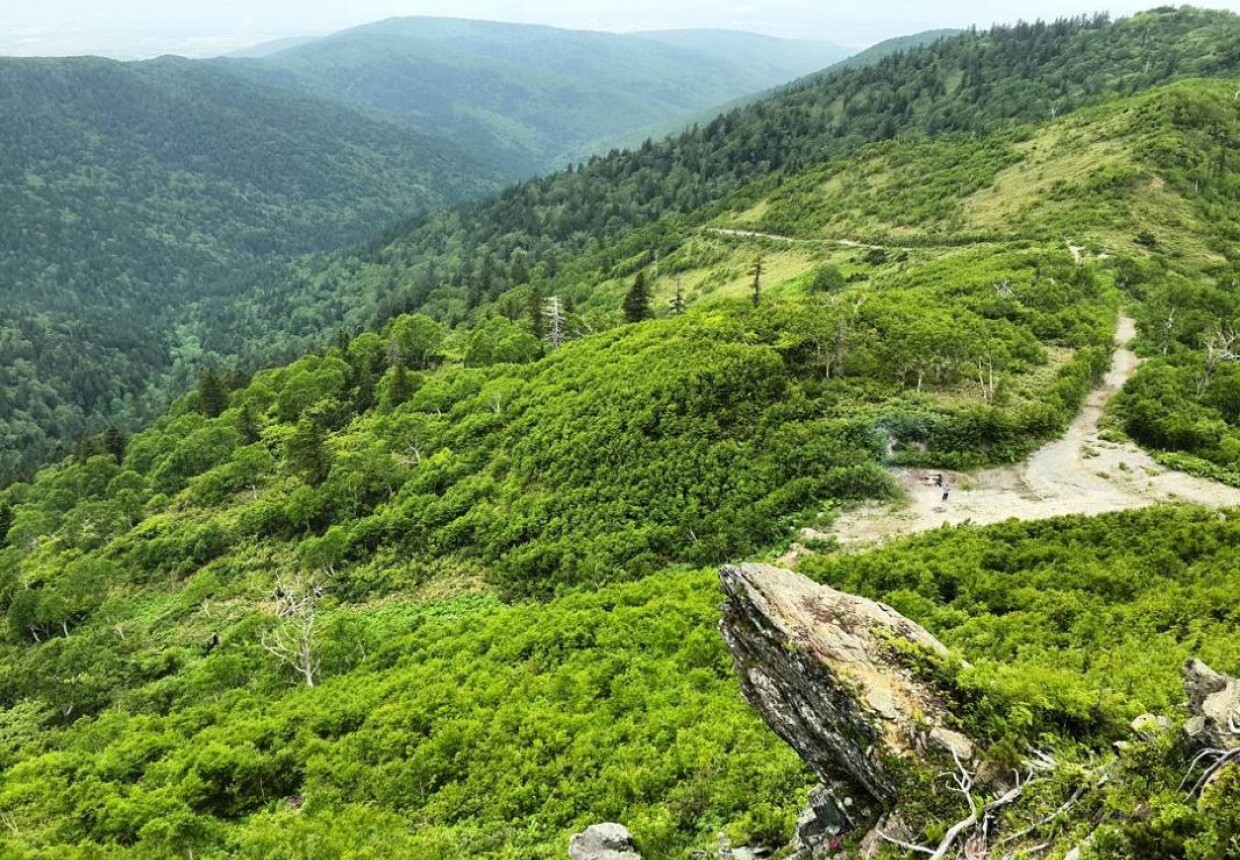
(128, 188)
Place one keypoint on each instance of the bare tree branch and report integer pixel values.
(291, 641)
(981, 818)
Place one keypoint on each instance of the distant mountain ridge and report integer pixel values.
(530, 97)
(868, 57)
(268, 49)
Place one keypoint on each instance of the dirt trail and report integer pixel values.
(1077, 474)
(754, 234)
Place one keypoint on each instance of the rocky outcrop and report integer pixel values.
(1214, 707)
(831, 673)
(843, 681)
(604, 842)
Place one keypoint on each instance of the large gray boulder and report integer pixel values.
(831, 674)
(1213, 706)
(604, 842)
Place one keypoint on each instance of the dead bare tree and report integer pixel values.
(986, 377)
(1221, 346)
(555, 322)
(1168, 331)
(291, 641)
(839, 346)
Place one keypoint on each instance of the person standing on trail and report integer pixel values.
(947, 491)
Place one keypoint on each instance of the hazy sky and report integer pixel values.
(129, 28)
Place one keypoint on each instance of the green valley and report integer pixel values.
(443, 583)
(130, 190)
(137, 192)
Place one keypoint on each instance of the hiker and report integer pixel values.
(947, 491)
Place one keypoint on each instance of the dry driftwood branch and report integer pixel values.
(1065, 807)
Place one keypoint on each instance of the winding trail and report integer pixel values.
(775, 237)
(1076, 474)
(853, 243)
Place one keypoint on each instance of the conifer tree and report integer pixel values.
(678, 301)
(534, 310)
(399, 387)
(248, 425)
(364, 392)
(637, 302)
(757, 282)
(116, 442)
(306, 452)
(212, 397)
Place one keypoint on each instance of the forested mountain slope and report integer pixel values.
(529, 96)
(569, 231)
(127, 188)
(433, 592)
(569, 228)
(870, 56)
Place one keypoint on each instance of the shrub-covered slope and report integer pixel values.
(403, 481)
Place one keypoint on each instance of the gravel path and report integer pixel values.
(1077, 474)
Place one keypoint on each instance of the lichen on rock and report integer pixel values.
(830, 673)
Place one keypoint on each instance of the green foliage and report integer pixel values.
(418, 469)
(132, 188)
(574, 229)
(827, 279)
(1185, 400)
(212, 398)
(438, 729)
(1072, 626)
(696, 438)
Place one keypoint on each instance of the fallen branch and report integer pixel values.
(1037, 825)
(979, 820)
(1218, 759)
